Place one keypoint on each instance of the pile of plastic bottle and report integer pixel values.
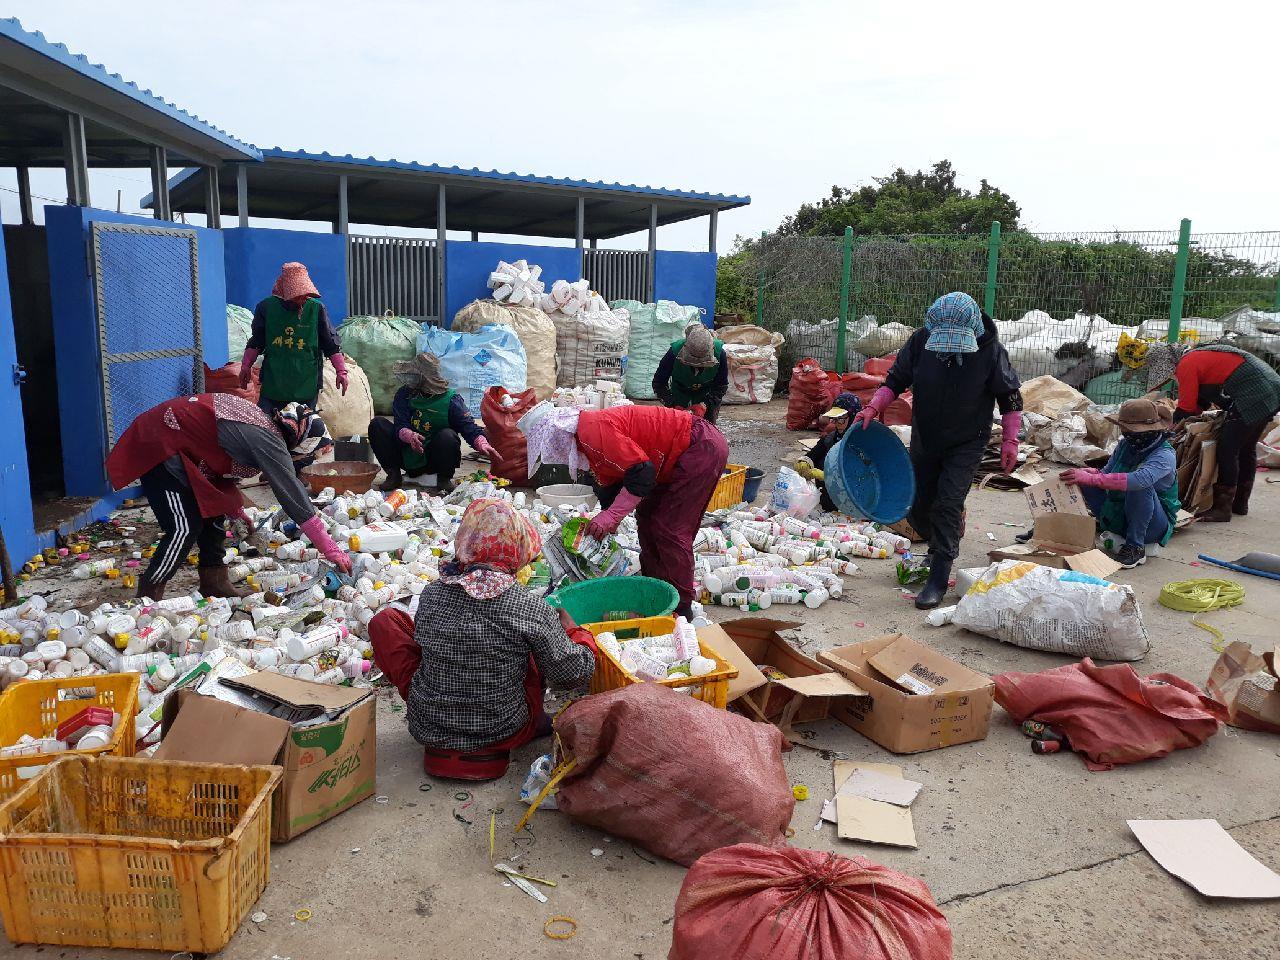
(303, 620)
(755, 559)
(600, 395)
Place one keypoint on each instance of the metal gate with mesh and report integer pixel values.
(146, 287)
(618, 274)
(391, 273)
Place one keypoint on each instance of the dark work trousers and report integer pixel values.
(272, 407)
(942, 482)
(443, 451)
(179, 517)
(1238, 450)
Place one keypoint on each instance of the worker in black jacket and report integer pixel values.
(957, 369)
(694, 373)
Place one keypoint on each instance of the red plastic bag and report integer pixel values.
(500, 428)
(226, 379)
(1110, 714)
(808, 395)
(755, 902)
(673, 775)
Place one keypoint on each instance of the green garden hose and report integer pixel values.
(1201, 596)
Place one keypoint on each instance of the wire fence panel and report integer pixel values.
(146, 285)
(1060, 301)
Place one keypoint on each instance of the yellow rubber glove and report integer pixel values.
(808, 470)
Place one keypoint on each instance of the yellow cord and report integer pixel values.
(1201, 596)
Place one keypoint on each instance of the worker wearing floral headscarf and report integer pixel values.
(292, 333)
(664, 464)
(958, 370)
(471, 667)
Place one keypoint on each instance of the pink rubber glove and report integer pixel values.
(483, 445)
(318, 535)
(606, 522)
(1011, 424)
(339, 372)
(1112, 481)
(875, 409)
(1082, 476)
(246, 366)
(410, 439)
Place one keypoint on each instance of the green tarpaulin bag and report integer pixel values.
(375, 343)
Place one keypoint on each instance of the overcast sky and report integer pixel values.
(1126, 115)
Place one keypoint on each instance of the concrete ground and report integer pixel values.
(1027, 856)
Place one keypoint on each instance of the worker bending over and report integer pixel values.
(664, 464)
(694, 373)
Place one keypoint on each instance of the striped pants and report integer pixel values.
(179, 518)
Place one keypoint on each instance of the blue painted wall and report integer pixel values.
(468, 265)
(15, 484)
(75, 335)
(687, 278)
(254, 256)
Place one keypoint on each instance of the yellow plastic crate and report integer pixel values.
(36, 707)
(144, 854)
(728, 491)
(611, 675)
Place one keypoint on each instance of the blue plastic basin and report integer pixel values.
(869, 474)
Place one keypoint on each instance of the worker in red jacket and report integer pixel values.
(661, 462)
(1221, 375)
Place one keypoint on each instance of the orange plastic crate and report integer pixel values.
(728, 492)
(36, 707)
(611, 675)
(144, 854)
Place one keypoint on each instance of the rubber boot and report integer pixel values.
(1220, 512)
(392, 482)
(216, 582)
(1240, 506)
(148, 589)
(935, 588)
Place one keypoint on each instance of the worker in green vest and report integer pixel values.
(429, 423)
(292, 333)
(694, 373)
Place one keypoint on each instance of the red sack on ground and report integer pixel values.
(500, 428)
(673, 775)
(808, 395)
(226, 379)
(754, 902)
(1110, 714)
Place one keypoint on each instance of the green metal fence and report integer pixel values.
(1061, 300)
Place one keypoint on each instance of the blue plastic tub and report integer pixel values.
(869, 474)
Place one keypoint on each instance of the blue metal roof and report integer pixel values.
(366, 163)
(35, 41)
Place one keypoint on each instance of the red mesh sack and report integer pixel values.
(500, 428)
(865, 385)
(226, 379)
(751, 903)
(671, 774)
(1110, 714)
(808, 395)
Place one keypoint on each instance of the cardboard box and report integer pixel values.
(955, 709)
(328, 767)
(1065, 533)
(805, 694)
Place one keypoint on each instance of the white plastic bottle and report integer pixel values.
(686, 640)
(323, 638)
(93, 568)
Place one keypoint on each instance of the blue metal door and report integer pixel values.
(15, 484)
(146, 285)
